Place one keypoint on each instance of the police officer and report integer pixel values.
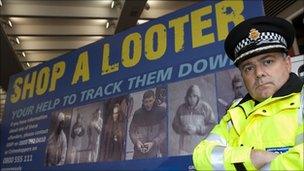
(263, 130)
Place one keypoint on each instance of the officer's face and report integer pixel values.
(264, 74)
(148, 103)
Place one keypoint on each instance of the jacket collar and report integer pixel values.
(293, 85)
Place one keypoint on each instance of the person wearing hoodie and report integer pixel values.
(193, 120)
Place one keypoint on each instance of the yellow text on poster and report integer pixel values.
(153, 42)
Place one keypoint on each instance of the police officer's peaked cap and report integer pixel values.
(258, 35)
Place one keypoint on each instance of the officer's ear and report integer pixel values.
(287, 60)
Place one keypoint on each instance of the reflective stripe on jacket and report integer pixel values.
(274, 125)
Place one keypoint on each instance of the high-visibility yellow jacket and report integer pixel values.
(274, 125)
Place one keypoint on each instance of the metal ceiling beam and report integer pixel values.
(58, 35)
(134, 9)
(32, 61)
(41, 55)
(80, 10)
(58, 17)
(130, 14)
(51, 44)
(272, 8)
(59, 30)
(47, 49)
(163, 7)
(58, 9)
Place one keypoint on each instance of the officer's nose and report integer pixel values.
(259, 71)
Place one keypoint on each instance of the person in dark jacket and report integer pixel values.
(148, 128)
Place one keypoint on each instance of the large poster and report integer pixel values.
(139, 100)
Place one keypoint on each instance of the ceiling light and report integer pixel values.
(6, 22)
(23, 54)
(0, 3)
(28, 64)
(10, 23)
(113, 4)
(109, 23)
(142, 21)
(17, 40)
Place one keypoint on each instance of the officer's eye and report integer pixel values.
(268, 62)
(248, 68)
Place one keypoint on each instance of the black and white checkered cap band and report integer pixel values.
(258, 50)
(265, 38)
